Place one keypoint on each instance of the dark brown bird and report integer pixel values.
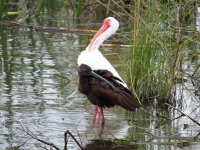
(104, 90)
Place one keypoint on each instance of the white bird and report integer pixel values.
(98, 79)
(92, 56)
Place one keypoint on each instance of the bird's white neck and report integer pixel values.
(97, 41)
(108, 28)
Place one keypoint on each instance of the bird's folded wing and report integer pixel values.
(107, 74)
(120, 95)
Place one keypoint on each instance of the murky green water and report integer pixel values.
(38, 81)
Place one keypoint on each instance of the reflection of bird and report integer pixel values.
(98, 80)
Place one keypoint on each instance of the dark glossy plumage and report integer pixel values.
(104, 92)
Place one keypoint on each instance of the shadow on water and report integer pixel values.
(107, 144)
(38, 81)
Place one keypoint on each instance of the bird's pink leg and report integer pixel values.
(98, 110)
(95, 111)
(101, 115)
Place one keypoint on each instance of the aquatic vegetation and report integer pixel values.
(157, 45)
(151, 56)
(3, 8)
(39, 7)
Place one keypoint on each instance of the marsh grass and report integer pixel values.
(40, 7)
(78, 7)
(50, 5)
(157, 45)
(149, 63)
(3, 8)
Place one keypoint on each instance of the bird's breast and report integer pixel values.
(97, 61)
(94, 59)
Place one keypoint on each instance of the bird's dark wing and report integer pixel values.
(110, 96)
(105, 90)
(107, 74)
(102, 78)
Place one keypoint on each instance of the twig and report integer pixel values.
(112, 135)
(28, 132)
(179, 41)
(63, 30)
(161, 116)
(184, 114)
(79, 136)
(108, 8)
(168, 121)
(117, 45)
(124, 10)
(18, 146)
(196, 137)
(68, 132)
(195, 70)
(141, 128)
(49, 29)
(61, 76)
(59, 30)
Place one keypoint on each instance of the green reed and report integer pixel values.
(157, 44)
(150, 67)
(78, 7)
(3, 7)
(40, 7)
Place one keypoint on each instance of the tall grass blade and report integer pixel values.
(40, 7)
(78, 7)
(2, 7)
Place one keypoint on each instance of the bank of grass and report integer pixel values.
(151, 56)
(157, 44)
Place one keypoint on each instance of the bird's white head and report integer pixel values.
(108, 28)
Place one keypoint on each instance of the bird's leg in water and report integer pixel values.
(95, 111)
(100, 115)
(98, 110)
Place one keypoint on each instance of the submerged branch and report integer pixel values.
(158, 115)
(48, 29)
(60, 30)
(63, 30)
(28, 132)
(18, 146)
(68, 132)
(184, 114)
(195, 71)
(166, 121)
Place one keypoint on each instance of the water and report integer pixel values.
(39, 88)
(198, 19)
(38, 81)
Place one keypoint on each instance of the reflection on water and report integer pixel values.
(198, 19)
(106, 144)
(39, 89)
